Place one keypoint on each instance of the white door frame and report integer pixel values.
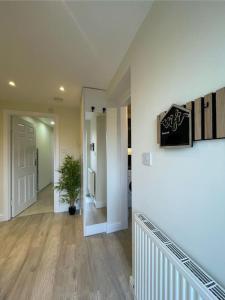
(7, 114)
(117, 172)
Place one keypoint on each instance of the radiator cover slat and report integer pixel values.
(164, 271)
(218, 292)
(150, 225)
(198, 272)
(161, 237)
(176, 251)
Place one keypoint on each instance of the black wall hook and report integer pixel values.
(206, 105)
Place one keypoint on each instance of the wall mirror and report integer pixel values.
(95, 193)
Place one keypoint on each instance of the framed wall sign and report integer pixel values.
(176, 128)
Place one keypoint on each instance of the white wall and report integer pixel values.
(113, 180)
(94, 97)
(177, 56)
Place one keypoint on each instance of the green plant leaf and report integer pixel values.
(70, 180)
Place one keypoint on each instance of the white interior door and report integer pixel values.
(24, 191)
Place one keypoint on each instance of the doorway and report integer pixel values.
(32, 165)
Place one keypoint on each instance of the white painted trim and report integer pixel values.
(113, 227)
(95, 229)
(113, 177)
(124, 164)
(6, 166)
(84, 162)
(117, 169)
(2, 218)
(6, 157)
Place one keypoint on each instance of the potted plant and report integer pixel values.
(69, 182)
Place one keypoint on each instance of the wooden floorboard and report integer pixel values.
(45, 256)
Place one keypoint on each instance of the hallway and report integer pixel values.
(44, 203)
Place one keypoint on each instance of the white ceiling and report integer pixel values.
(45, 44)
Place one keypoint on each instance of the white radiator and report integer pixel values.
(164, 272)
(91, 182)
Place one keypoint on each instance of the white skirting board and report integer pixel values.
(95, 229)
(2, 218)
(113, 227)
(63, 207)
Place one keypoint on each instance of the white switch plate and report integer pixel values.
(147, 159)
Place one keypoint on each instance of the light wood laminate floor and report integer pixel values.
(45, 256)
(44, 203)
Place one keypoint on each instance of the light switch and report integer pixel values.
(147, 159)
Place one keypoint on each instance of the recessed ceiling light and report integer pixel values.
(52, 123)
(62, 88)
(12, 83)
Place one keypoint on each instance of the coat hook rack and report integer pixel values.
(208, 116)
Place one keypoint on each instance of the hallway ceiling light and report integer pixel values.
(52, 123)
(62, 89)
(12, 83)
